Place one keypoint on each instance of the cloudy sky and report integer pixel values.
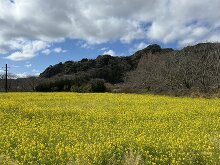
(37, 33)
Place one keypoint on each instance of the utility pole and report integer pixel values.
(6, 78)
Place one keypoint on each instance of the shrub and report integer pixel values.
(98, 85)
(74, 88)
(45, 87)
(66, 88)
(84, 88)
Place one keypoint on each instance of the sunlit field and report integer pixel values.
(70, 128)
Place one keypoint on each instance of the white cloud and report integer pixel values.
(199, 31)
(22, 75)
(2, 50)
(28, 65)
(55, 50)
(137, 47)
(46, 51)
(59, 50)
(141, 45)
(6, 46)
(35, 72)
(27, 50)
(99, 21)
(84, 45)
(1, 72)
(110, 52)
(103, 49)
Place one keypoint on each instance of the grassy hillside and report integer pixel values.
(70, 128)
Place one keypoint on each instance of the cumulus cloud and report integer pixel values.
(98, 21)
(110, 52)
(138, 46)
(27, 50)
(54, 50)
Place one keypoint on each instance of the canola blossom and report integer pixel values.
(71, 128)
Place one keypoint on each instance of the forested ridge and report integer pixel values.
(152, 69)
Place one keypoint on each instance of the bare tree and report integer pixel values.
(149, 74)
(193, 67)
(32, 82)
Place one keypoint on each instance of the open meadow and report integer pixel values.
(71, 128)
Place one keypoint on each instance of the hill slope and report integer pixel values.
(107, 67)
(151, 69)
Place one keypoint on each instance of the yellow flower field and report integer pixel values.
(70, 128)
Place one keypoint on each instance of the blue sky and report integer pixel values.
(36, 33)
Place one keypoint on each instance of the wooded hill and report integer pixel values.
(109, 68)
(153, 69)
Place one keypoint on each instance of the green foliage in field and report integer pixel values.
(70, 128)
